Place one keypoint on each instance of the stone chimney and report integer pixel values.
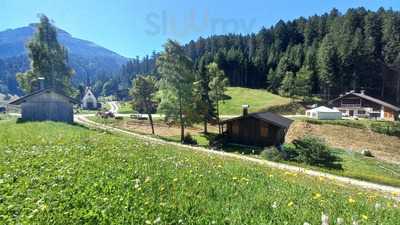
(245, 110)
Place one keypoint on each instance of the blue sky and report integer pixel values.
(132, 28)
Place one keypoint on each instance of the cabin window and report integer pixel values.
(361, 112)
(235, 128)
(264, 131)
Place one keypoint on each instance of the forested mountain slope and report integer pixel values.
(87, 59)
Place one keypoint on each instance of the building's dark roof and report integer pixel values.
(268, 117)
(369, 98)
(27, 97)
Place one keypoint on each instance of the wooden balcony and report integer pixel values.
(350, 105)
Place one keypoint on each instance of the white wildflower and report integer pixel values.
(325, 219)
(274, 205)
(306, 223)
(339, 221)
(355, 222)
(378, 206)
(157, 220)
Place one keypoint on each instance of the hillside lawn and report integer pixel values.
(354, 164)
(62, 174)
(257, 99)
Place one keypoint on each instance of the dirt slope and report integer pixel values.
(383, 147)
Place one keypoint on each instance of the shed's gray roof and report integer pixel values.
(369, 98)
(268, 117)
(27, 97)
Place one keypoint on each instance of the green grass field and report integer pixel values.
(257, 99)
(360, 167)
(354, 164)
(125, 108)
(60, 174)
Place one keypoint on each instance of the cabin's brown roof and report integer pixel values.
(268, 117)
(369, 98)
(27, 97)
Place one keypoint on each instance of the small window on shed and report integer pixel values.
(235, 128)
(263, 131)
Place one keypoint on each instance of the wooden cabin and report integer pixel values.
(353, 104)
(257, 129)
(46, 105)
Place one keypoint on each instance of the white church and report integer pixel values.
(89, 101)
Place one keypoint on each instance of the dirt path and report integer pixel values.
(344, 180)
(114, 107)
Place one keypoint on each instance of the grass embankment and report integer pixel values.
(256, 98)
(259, 100)
(357, 166)
(61, 174)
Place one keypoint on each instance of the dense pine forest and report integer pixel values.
(324, 54)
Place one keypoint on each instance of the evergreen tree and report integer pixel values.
(328, 65)
(218, 84)
(302, 83)
(288, 85)
(48, 60)
(142, 92)
(176, 85)
(204, 103)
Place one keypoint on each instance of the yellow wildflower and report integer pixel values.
(175, 179)
(351, 200)
(290, 204)
(317, 196)
(364, 217)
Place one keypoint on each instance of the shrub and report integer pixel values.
(313, 150)
(388, 128)
(272, 154)
(189, 140)
(345, 123)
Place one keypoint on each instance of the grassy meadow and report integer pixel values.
(360, 167)
(62, 174)
(125, 108)
(256, 98)
(354, 164)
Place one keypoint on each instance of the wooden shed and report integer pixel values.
(258, 129)
(46, 104)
